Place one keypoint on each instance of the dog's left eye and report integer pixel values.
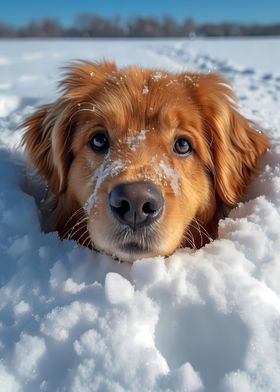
(99, 142)
(182, 146)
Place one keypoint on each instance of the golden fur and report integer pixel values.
(198, 189)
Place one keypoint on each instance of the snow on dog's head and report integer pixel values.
(141, 165)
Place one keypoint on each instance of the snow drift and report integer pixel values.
(74, 320)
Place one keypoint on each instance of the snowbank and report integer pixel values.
(8, 103)
(74, 320)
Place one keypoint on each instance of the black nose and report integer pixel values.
(136, 204)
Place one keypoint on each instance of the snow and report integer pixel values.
(136, 141)
(157, 76)
(74, 320)
(118, 289)
(171, 174)
(107, 168)
(145, 90)
(8, 103)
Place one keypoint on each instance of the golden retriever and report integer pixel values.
(141, 161)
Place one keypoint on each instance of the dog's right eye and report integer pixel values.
(99, 142)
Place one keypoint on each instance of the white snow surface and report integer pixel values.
(74, 320)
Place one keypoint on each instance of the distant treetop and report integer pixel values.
(92, 25)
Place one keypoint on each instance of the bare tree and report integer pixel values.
(44, 28)
(92, 25)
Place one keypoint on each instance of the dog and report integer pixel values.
(140, 161)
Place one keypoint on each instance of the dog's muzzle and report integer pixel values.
(136, 204)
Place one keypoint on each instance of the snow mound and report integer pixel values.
(207, 320)
(8, 103)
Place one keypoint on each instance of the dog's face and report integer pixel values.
(138, 167)
(147, 157)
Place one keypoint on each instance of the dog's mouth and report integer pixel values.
(131, 245)
(135, 247)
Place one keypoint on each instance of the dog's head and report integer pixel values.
(149, 157)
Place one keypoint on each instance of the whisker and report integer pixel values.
(188, 236)
(205, 232)
(72, 216)
(76, 231)
(199, 231)
(88, 238)
(85, 240)
(72, 227)
(70, 232)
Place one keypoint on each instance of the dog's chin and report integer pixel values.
(133, 251)
(125, 244)
(129, 252)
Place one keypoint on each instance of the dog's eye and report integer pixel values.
(99, 142)
(182, 146)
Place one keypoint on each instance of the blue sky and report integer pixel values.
(20, 11)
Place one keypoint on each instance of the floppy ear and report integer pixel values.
(47, 139)
(234, 143)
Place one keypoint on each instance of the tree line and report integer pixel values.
(91, 25)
